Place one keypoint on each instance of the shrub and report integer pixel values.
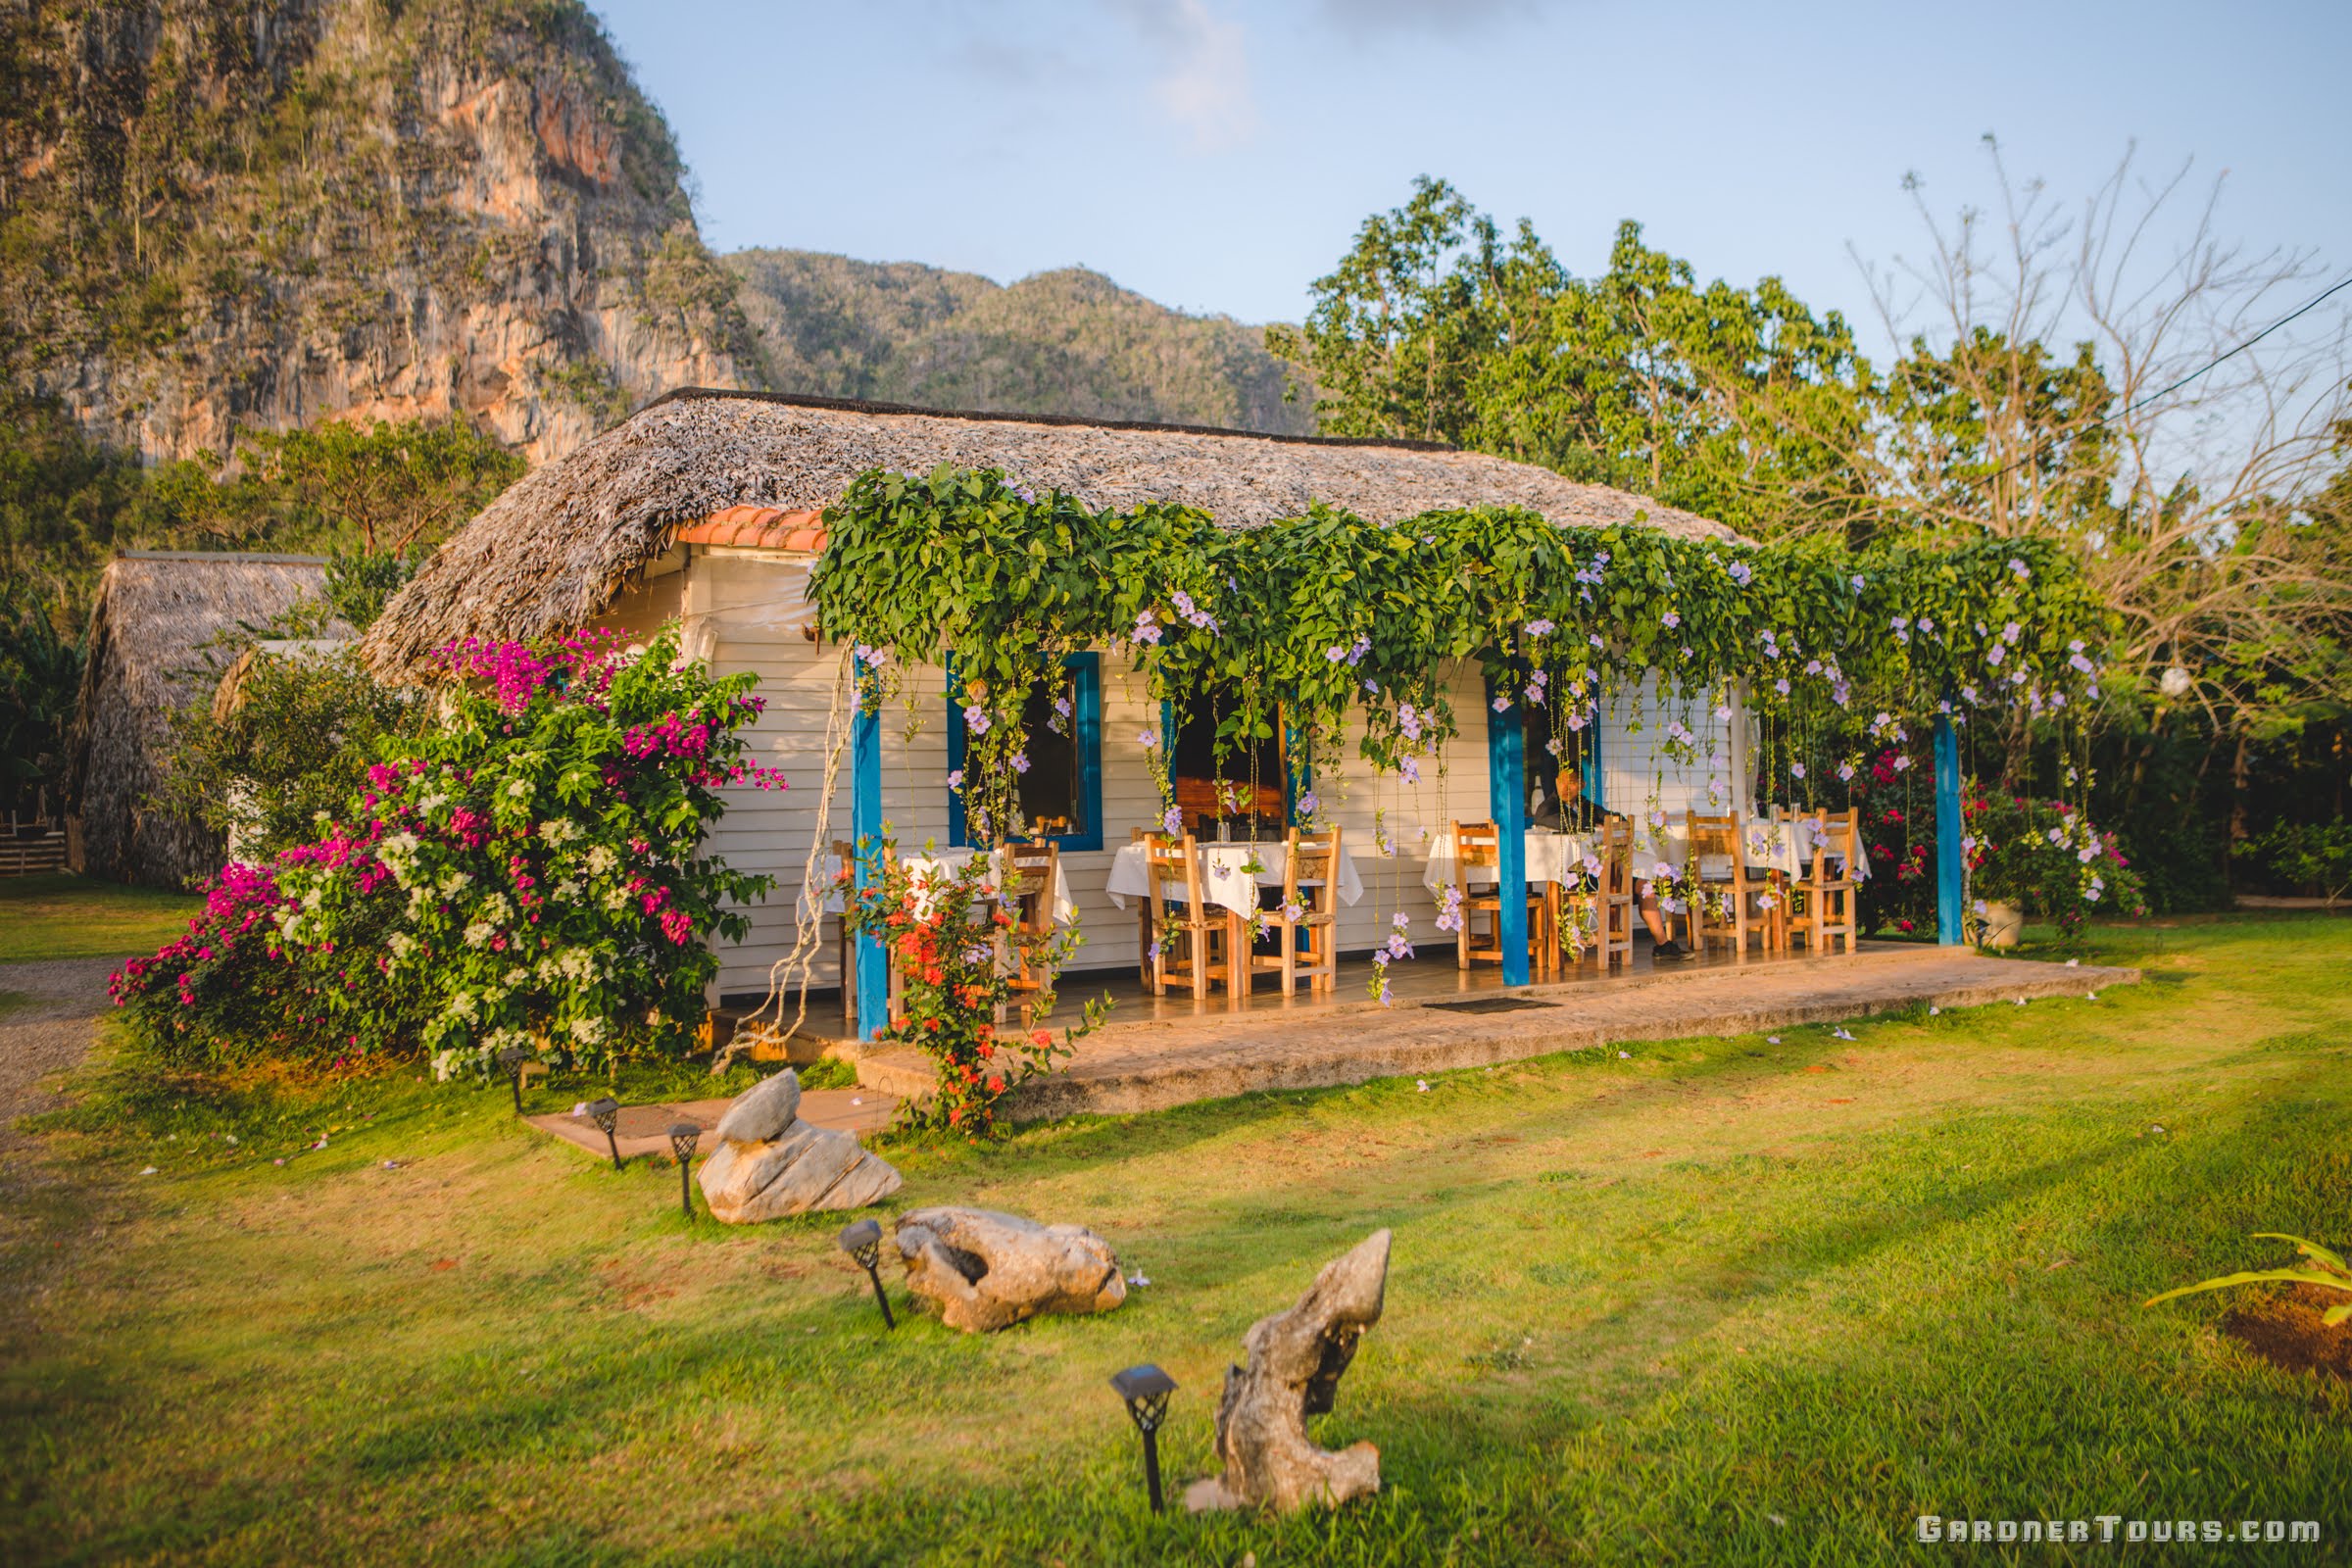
(2046, 856)
(949, 936)
(526, 872)
(2306, 855)
(297, 742)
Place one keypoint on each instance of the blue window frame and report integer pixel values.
(1086, 739)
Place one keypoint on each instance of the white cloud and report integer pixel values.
(1203, 82)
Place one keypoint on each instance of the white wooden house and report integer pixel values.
(707, 508)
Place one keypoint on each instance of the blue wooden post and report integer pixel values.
(1300, 770)
(865, 827)
(1507, 796)
(1595, 790)
(1951, 869)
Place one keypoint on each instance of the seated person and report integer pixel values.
(1544, 807)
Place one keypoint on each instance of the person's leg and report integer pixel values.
(1663, 944)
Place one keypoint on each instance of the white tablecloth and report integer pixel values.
(1224, 877)
(945, 863)
(1765, 845)
(1550, 858)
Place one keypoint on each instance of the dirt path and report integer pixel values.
(49, 1033)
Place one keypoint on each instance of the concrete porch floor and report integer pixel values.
(1155, 1052)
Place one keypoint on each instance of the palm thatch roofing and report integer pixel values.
(164, 624)
(552, 552)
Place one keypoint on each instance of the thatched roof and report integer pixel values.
(553, 551)
(161, 629)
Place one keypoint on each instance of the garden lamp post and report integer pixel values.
(683, 1136)
(1145, 1388)
(863, 1242)
(605, 1113)
(509, 1062)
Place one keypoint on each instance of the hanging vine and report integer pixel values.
(1315, 618)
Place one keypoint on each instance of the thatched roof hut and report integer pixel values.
(552, 552)
(164, 625)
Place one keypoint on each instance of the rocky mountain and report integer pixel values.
(219, 215)
(1062, 342)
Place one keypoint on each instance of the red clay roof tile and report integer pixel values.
(747, 527)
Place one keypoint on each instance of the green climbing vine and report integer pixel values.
(1328, 617)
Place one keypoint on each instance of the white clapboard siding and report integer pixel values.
(1639, 776)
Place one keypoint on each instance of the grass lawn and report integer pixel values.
(64, 917)
(1720, 1300)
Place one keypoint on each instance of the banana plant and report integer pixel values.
(2326, 1270)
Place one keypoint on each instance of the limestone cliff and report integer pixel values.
(217, 216)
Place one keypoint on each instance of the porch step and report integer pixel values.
(1124, 1068)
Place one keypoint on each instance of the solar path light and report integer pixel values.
(683, 1136)
(510, 1062)
(605, 1113)
(1145, 1388)
(863, 1242)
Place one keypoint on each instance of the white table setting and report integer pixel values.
(937, 867)
(1226, 877)
(1551, 857)
(1764, 846)
(1557, 857)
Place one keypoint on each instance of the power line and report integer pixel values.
(2215, 362)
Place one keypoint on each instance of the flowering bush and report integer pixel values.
(526, 871)
(951, 938)
(2046, 856)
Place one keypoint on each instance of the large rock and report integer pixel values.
(982, 1271)
(762, 1112)
(770, 1163)
(1296, 1358)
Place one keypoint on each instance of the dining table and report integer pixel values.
(1552, 856)
(1764, 846)
(938, 865)
(1231, 874)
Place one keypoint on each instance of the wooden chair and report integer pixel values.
(1026, 887)
(1196, 931)
(1311, 940)
(1475, 844)
(1613, 899)
(1824, 898)
(1750, 896)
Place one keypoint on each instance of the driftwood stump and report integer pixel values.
(1295, 1362)
(982, 1271)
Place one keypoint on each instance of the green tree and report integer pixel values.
(382, 488)
(1741, 404)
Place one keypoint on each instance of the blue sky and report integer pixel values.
(1218, 156)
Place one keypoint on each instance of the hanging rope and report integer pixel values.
(809, 912)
